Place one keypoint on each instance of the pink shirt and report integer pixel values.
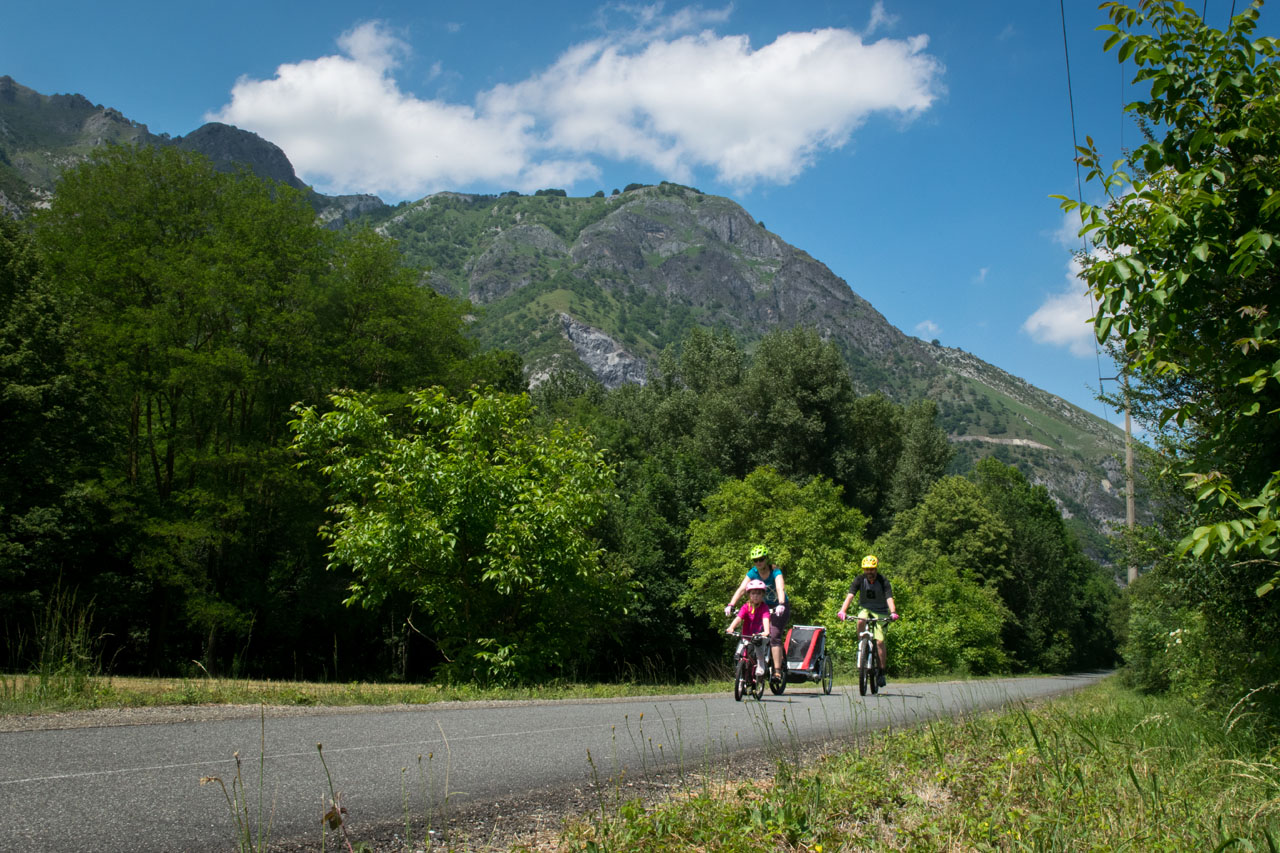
(753, 621)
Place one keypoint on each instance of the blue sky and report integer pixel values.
(911, 145)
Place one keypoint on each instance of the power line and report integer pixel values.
(1075, 157)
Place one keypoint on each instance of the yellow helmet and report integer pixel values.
(870, 562)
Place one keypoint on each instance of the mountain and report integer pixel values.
(603, 284)
(41, 135)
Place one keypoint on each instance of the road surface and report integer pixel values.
(137, 787)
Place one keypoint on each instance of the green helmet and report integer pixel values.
(759, 551)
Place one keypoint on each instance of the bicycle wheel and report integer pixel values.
(740, 680)
(778, 683)
(828, 674)
(757, 689)
(863, 664)
(873, 673)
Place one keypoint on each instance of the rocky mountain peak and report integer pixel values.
(229, 147)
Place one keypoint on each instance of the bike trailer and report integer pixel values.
(806, 646)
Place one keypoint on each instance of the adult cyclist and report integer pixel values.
(775, 596)
(875, 597)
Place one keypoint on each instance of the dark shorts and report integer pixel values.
(778, 626)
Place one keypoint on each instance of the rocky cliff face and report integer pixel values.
(604, 356)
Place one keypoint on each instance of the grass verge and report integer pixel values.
(1103, 769)
(27, 694)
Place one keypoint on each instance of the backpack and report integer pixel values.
(863, 589)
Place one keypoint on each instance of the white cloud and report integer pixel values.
(1063, 319)
(676, 102)
(879, 18)
(345, 125)
(1067, 234)
(713, 101)
(981, 277)
(927, 329)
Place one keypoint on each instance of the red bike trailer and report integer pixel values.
(807, 656)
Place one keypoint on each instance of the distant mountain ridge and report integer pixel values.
(603, 284)
(41, 135)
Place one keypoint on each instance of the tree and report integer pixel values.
(1058, 599)
(925, 455)
(810, 533)
(205, 305)
(51, 438)
(798, 398)
(483, 521)
(875, 448)
(1185, 270)
(954, 521)
(950, 555)
(388, 330)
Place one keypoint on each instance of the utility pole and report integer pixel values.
(1128, 474)
(1129, 515)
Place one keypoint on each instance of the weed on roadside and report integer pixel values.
(1104, 769)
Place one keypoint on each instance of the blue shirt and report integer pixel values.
(771, 591)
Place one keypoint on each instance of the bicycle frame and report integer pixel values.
(869, 656)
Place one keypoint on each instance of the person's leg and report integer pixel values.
(762, 651)
(883, 650)
(777, 632)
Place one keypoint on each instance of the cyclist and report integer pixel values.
(754, 617)
(775, 595)
(875, 596)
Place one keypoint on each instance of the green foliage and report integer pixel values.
(52, 437)
(954, 521)
(1184, 275)
(812, 536)
(200, 306)
(924, 458)
(483, 521)
(388, 330)
(1101, 769)
(1188, 257)
(1058, 599)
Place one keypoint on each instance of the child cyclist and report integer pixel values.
(754, 618)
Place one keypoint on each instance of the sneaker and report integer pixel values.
(759, 671)
(882, 679)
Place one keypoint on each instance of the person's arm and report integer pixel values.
(737, 593)
(766, 621)
(733, 626)
(893, 611)
(844, 608)
(780, 586)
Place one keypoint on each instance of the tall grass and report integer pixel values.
(61, 656)
(1105, 769)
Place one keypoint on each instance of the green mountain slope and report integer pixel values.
(603, 284)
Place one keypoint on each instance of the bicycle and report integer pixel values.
(869, 657)
(745, 680)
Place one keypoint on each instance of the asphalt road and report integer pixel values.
(137, 787)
